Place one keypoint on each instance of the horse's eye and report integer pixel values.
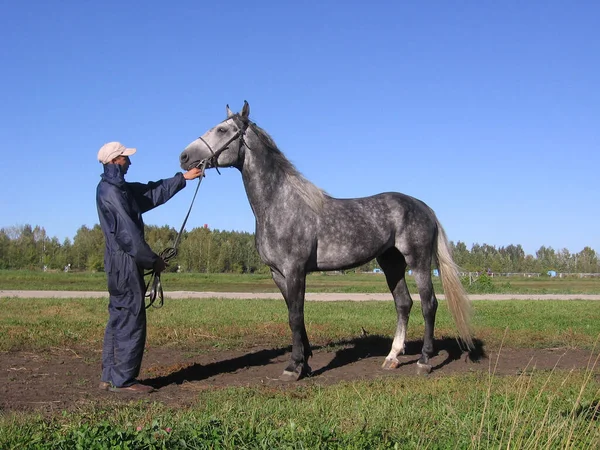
(221, 130)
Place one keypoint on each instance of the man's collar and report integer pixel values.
(113, 173)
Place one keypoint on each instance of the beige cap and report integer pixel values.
(110, 151)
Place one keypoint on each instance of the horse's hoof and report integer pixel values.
(390, 364)
(295, 373)
(423, 369)
(289, 376)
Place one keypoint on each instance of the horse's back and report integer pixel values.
(389, 210)
(353, 231)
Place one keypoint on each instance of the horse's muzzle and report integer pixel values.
(183, 160)
(186, 164)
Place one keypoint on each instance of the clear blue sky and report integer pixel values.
(487, 111)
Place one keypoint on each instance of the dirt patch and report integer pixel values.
(63, 379)
(59, 379)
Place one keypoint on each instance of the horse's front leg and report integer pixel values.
(293, 287)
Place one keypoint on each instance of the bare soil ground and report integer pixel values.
(64, 379)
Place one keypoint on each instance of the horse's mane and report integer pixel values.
(311, 194)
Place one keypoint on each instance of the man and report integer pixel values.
(120, 206)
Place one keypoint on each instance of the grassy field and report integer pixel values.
(550, 411)
(317, 282)
(36, 324)
(536, 409)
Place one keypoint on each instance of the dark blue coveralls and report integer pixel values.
(120, 206)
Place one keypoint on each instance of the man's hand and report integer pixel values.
(159, 265)
(192, 173)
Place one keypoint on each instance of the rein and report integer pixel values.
(154, 283)
(154, 287)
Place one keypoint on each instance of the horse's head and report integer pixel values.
(221, 146)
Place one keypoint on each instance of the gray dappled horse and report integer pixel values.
(301, 229)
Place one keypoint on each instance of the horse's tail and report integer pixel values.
(458, 302)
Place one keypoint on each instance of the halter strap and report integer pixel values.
(216, 153)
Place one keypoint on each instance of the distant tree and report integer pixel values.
(29, 254)
(205, 250)
(529, 265)
(4, 250)
(13, 254)
(565, 262)
(484, 257)
(194, 249)
(159, 238)
(587, 261)
(40, 239)
(461, 255)
(547, 259)
(513, 257)
(88, 249)
(66, 253)
(54, 255)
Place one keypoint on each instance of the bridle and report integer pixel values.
(154, 288)
(242, 125)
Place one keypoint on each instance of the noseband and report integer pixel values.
(241, 132)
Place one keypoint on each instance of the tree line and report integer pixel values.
(215, 251)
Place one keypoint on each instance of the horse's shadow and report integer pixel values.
(375, 345)
(352, 351)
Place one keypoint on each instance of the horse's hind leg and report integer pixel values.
(429, 306)
(394, 266)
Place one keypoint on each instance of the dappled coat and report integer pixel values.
(120, 206)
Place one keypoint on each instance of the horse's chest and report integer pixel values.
(281, 240)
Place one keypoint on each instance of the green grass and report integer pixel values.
(317, 282)
(96, 281)
(35, 324)
(540, 410)
(546, 285)
(537, 409)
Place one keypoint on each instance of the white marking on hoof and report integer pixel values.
(289, 376)
(423, 369)
(389, 364)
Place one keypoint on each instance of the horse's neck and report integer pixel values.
(270, 187)
(263, 181)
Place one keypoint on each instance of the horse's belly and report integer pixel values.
(336, 254)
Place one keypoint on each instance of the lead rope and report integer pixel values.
(169, 253)
(154, 283)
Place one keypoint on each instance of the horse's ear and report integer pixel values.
(245, 110)
(229, 113)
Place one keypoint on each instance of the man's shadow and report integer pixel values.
(352, 350)
(198, 372)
